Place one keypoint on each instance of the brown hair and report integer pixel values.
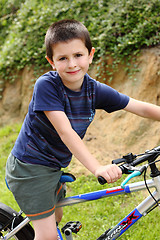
(63, 31)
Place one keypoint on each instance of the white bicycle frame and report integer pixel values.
(124, 224)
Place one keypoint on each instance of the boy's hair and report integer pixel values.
(63, 31)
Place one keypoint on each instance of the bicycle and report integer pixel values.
(12, 224)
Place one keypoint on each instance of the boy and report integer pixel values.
(62, 107)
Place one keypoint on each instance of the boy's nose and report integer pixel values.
(71, 63)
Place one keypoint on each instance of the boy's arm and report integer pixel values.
(74, 143)
(143, 109)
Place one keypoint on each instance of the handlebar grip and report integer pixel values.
(102, 180)
(118, 160)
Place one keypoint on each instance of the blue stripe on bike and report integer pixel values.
(98, 194)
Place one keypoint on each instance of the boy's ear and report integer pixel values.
(50, 61)
(91, 55)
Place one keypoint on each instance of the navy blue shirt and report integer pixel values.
(38, 141)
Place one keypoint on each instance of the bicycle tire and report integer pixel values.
(6, 213)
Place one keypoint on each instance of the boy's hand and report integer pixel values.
(110, 172)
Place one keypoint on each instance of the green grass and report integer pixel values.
(95, 216)
(8, 136)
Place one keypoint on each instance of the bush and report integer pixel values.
(118, 28)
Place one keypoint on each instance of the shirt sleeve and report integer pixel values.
(46, 96)
(109, 99)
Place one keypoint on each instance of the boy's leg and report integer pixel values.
(31, 179)
(58, 214)
(45, 228)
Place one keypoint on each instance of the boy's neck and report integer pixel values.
(76, 86)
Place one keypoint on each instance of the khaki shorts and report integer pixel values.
(36, 188)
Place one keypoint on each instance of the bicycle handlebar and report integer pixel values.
(131, 161)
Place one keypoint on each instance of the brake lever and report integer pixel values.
(128, 169)
(135, 173)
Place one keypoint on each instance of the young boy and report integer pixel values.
(62, 107)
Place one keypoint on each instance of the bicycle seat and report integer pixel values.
(67, 177)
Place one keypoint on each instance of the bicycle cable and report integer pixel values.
(145, 181)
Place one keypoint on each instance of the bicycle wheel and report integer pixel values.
(6, 213)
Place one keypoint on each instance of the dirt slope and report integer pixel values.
(110, 135)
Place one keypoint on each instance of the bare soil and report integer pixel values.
(110, 135)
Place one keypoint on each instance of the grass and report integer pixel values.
(95, 216)
(8, 136)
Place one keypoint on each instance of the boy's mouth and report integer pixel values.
(73, 72)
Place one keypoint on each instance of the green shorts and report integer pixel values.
(36, 188)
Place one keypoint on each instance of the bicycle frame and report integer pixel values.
(141, 210)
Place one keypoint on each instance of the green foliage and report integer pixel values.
(117, 27)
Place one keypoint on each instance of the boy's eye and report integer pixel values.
(78, 55)
(62, 59)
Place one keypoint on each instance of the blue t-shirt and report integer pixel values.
(38, 141)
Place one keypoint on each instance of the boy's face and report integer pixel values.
(71, 60)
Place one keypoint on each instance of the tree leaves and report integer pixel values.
(117, 27)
